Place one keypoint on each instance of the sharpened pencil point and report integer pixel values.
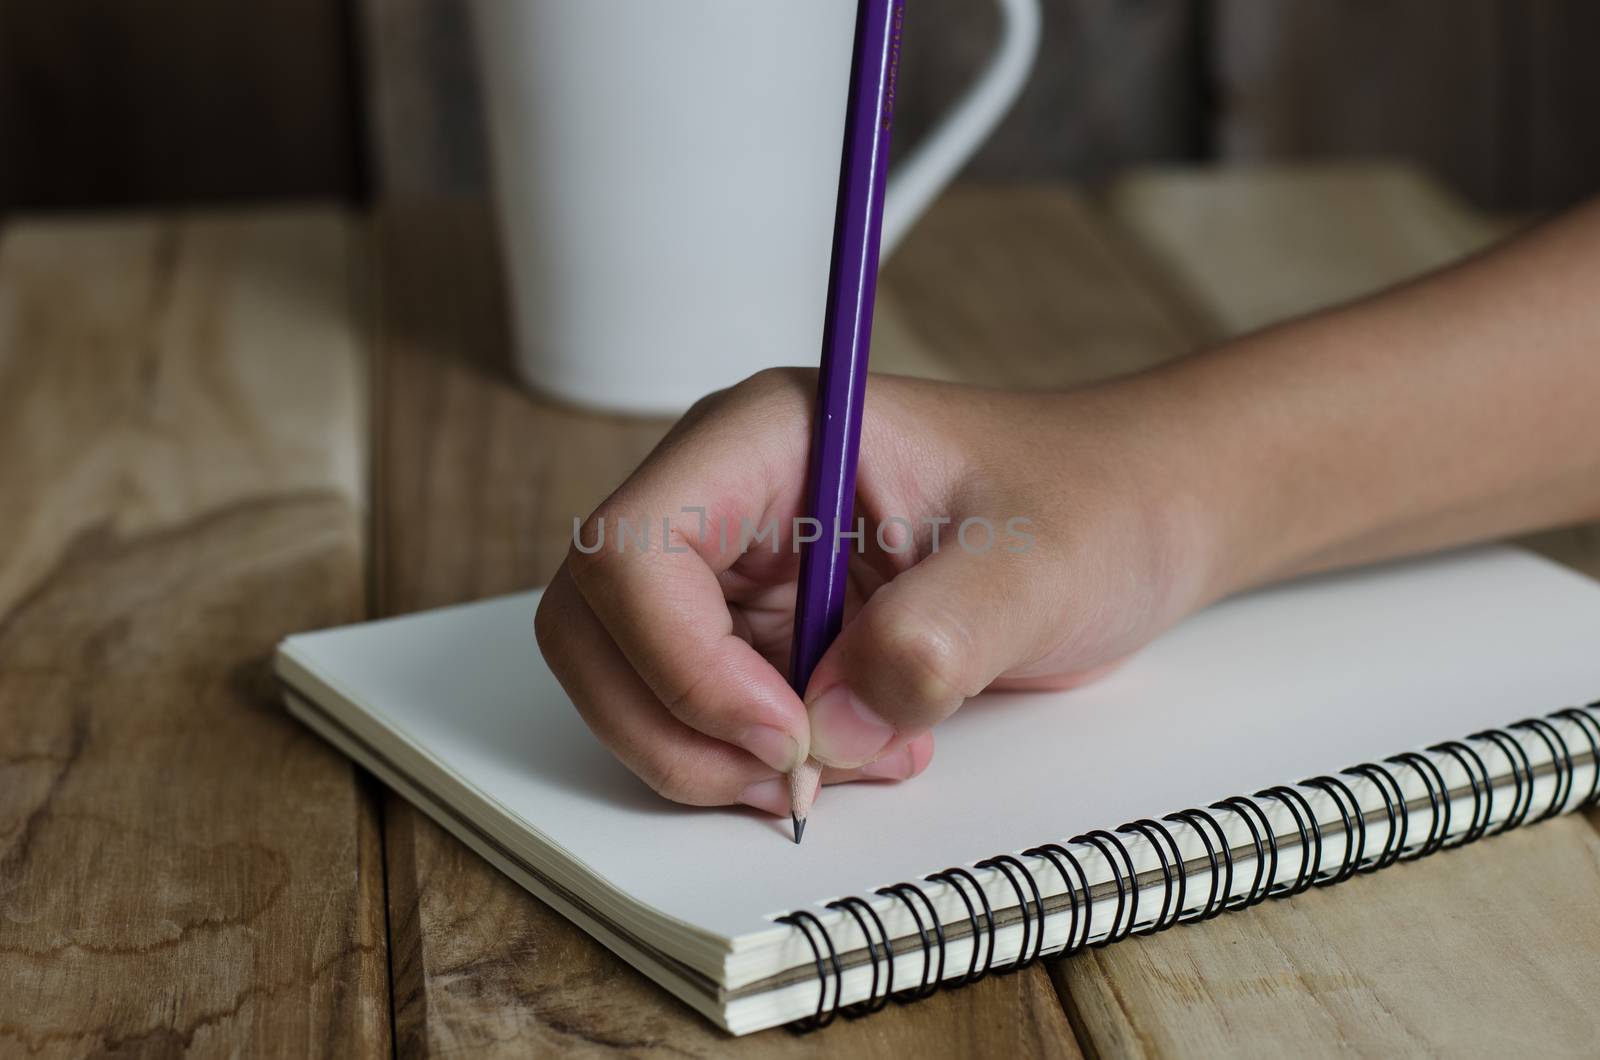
(802, 790)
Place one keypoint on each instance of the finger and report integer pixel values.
(676, 761)
(934, 636)
(774, 795)
(663, 605)
(898, 764)
(1059, 682)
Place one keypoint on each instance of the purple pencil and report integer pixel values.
(846, 336)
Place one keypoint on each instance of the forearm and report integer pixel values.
(1460, 408)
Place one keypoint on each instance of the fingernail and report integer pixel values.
(897, 766)
(844, 732)
(773, 746)
(771, 795)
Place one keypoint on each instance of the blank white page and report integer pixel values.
(1263, 689)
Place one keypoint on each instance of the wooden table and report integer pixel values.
(217, 429)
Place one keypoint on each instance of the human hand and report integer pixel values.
(1065, 540)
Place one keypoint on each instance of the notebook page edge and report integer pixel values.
(302, 676)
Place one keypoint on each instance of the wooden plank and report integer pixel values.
(1485, 951)
(477, 484)
(1256, 245)
(176, 101)
(426, 131)
(1029, 288)
(1491, 96)
(182, 867)
(1409, 79)
(1473, 952)
(1551, 162)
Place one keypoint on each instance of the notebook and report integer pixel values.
(1277, 741)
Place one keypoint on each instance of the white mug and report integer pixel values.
(666, 173)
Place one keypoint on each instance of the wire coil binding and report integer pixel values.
(1217, 861)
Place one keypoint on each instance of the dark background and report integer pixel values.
(106, 102)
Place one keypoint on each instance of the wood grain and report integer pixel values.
(1474, 952)
(182, 868)
(1253, 246)
(477, 484)
(1410, 79)
(104, 102)
(1486, 951)
(1030, 288)
(426, 131)
(1488, 95)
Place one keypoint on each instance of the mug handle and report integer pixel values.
(922, 175)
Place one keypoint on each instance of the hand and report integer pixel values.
(1078, 546)
(1454, 409)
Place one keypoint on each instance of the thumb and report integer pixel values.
(925, 642)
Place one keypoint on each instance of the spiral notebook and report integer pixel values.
(1275, 742)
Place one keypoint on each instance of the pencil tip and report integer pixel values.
(799, 826)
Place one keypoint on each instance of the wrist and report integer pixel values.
(1249, 448)
(1136, 485)
(1202, 500)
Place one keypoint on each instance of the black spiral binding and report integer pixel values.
(1402, 844)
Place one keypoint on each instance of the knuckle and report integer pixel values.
(548, 626)
(589, 562)
(705, 406)
(772, 401)
(674, 778)
(771, 381)
(927, 662)
(763, 389)
(691, 707)
(777, 391)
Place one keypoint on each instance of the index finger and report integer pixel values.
(656, 588)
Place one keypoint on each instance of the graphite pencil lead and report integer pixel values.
(799, 826)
